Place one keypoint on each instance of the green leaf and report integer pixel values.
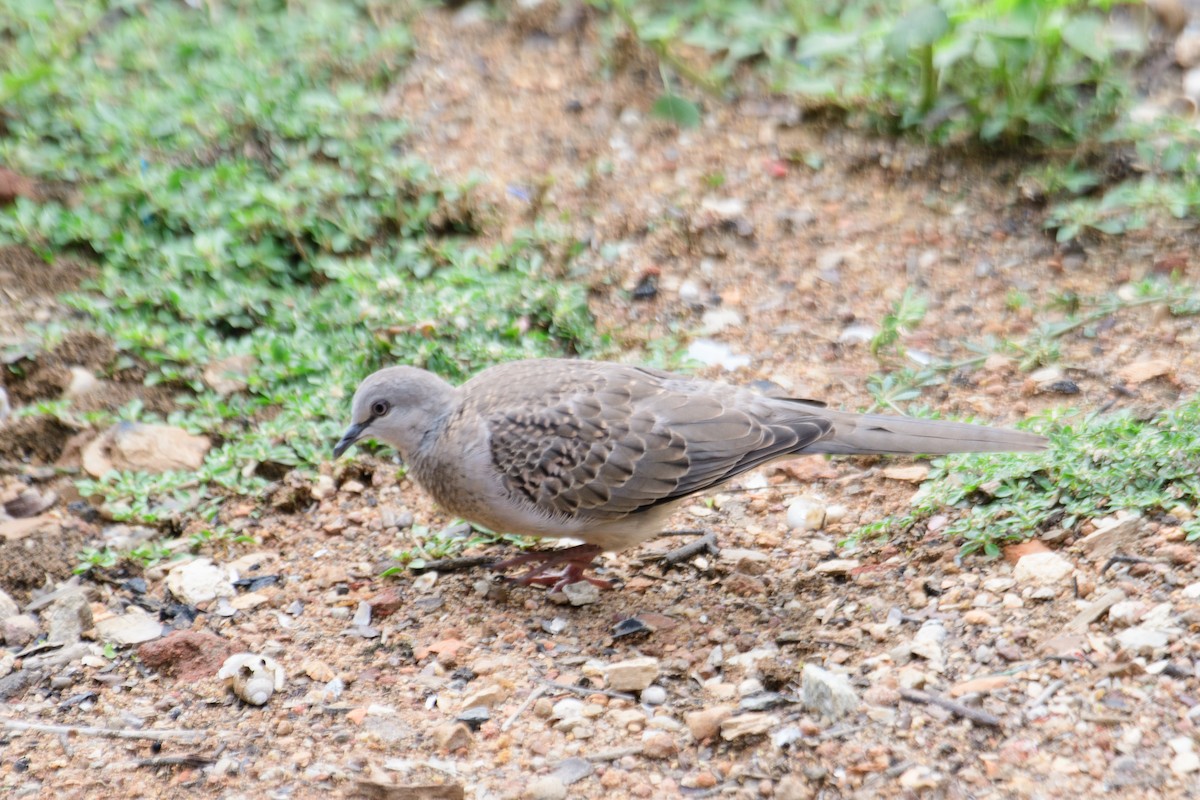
(677, 109)
(1085, 34)
(920, 27)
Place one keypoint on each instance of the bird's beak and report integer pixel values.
(352, 435)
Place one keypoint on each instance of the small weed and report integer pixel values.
(96, 558)
(450, 542)
(905, 317)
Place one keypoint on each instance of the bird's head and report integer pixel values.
(398, 406)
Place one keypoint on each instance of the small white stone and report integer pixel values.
(718, 319)
(567, 708)
(1126, 612)
(711, 353)
(827, 693)
(631, 675)
(82, 382)
(654, 695)
(1185, 763)
(133, 627)
(1142, 640)
(689, 292)
(805, 514)
(1043, 568)
(323, 487)
(199, 581)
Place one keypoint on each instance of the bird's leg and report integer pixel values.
(573, 561)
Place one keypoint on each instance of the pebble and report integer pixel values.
(690, 293)
(1142, 641)
(659, 745)
(910, 678)
(913, 473)
(654, 695)
(754, 723)
(8, 606)
(488, 696)
(318, 670)
(67, 618)
(726, 208)
(711, 354)
(716, 320)
(837, 566)
(567, 708)
(18, 630)
(999, 585)
(199, 581)
(631, 675)
(804, 514)
(920, 778)
(573, 770)
(547, 787)
(706, 723)
(580, 593)
(927, 643)
(977, 616)
(323, 487)
(793, 787)
(879, 695)
(451, 736)
(827, 693)
(1126, 612)
(133, 627)
(139, 447)
(1042, 569)
(857, 333)
(1186, 760)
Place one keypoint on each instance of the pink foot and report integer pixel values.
(573, 561)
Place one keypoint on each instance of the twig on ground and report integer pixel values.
(110, 733)
(1048, 693)
(705, 544)
(613, 755)
(1120, 558)
(454, 564)
(533, 696)
(585, 691)
(974, 714)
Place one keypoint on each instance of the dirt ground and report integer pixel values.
(785, 263)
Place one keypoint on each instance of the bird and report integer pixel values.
(604, 452)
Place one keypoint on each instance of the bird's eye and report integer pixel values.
(380, 408)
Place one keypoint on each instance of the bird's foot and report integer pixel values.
(571, 563)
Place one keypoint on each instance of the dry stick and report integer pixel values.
(533, 696)
(973, 714)
(1048, 693)
(613, 755)
(455, 564)
(585, 691)
(705, 544)
(111, 733)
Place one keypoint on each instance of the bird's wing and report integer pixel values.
(608, 442)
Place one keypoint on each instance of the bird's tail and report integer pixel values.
(881, 433)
